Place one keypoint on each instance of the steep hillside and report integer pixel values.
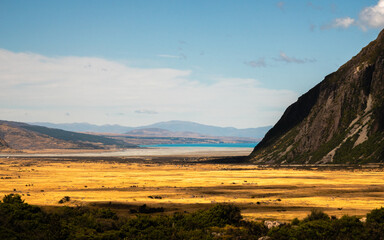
(24, 136)
(341, 120)
(85, 127)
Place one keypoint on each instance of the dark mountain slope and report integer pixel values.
(340, 120)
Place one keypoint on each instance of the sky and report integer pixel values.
(134, 62)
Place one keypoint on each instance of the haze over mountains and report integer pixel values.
(182, 127)
(340, 120)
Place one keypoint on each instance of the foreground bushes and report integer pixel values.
(319, 225)
(19, 220)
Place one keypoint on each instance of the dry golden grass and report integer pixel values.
(276, 194)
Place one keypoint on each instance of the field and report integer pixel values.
(262, 193)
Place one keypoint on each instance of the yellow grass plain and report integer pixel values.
(280, 194)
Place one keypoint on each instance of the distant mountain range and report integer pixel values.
(173, 126)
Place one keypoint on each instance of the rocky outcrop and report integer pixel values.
(340, 120)
(271, 224)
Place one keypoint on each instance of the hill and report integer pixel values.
(151, 132)
(340, 120)
(21, 136)
(3, 144)
(85, 127)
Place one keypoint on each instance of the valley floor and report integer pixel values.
(124, 184)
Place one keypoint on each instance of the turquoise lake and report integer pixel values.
(227, 145)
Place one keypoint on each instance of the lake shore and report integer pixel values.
(139, 152)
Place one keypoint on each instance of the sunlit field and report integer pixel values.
(261, 193)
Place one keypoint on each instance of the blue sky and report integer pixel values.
(226, 63)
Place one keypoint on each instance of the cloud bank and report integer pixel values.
(373, 16)
(369, 17)
(340, 23)
(96, 90)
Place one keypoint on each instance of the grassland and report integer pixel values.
(261, 193)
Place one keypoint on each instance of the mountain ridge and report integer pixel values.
(340, 120)
(174, 126)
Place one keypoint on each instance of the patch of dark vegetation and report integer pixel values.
(113, 205)
(19, 220)
(145, 209)
(348, 153)
(155, 197)
(264, 195)
(213, 192)
(228, 160)
(65, 199)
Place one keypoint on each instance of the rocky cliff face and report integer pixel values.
(340, 120)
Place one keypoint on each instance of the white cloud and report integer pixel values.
(168, 56)
(39, 88)
(284, 58)
(369, 17)
(343, 22)
(145, 111)
(256, 64)
(372, 16)
(340, 23)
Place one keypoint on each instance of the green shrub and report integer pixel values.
(316, 215)
(12, 199)
(348, 228)
(375, 224)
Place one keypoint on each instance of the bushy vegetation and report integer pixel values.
(319, 225)
(19, 220)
